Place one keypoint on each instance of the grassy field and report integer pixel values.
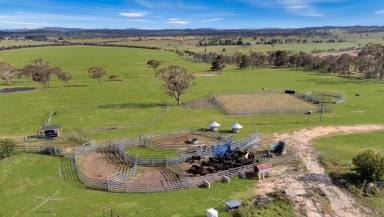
(344, 147)
(95, 108)
(129, 107)
(27, 176)
(339, 151)
(148, 152)
(21, 42)
(350, 41)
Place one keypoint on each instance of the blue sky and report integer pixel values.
(160, 14)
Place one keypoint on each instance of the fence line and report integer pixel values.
(119, 148)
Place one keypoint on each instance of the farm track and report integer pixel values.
(300, 184)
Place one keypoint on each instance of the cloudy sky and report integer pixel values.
(160, 14)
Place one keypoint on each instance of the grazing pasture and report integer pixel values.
(126, 108)
(21, 42)
(339, 151)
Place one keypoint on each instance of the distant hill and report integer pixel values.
(78, 32)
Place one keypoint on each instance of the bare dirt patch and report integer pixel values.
(95, 166)
(180, 141)
(259, 103)
(206, 74)
(299, 183)
(147, 175)
(205, 102)
(353, 53)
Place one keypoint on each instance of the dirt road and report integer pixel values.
(311, 188)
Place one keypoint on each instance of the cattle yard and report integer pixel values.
(109, 167)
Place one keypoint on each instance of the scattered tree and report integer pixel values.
(8, 72)
(64, 76)
(40, 71)
(176, 80)
(218, 63)
(7, 148)
(96, 73)
(244, 62)
(344, 64)
(154, 64)
(369, 165)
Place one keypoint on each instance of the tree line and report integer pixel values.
(369, 63)
(42, 72)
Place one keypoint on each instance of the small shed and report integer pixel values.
(232, 204)
(51, 131)
(236, 127)
(212, 213)
(213, 126)
(263, 170)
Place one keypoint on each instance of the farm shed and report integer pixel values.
(51, 131)
(232, 204)
(263, 170)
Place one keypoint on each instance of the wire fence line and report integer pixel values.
(189, 182)
(119, 182)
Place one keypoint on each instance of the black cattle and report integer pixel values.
(195, 157)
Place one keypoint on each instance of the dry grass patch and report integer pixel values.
(262, 103)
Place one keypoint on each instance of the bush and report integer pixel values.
(369, 165)
(7, 148)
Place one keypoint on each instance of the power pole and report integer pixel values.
(48, 200)
(322, 108)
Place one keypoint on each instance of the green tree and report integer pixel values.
(7, 148)
(244, 62)
(153, 64)
(218, 63)
(369, 165)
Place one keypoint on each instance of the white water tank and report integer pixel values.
(212, 213)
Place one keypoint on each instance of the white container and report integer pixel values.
(212, 213)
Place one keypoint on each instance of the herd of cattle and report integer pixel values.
(231, 159)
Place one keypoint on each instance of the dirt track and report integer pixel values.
(300, 184)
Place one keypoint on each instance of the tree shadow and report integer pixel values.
(76, 85)
(340, 81)
(130, 105)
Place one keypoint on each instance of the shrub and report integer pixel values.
(7, 148)
(369, 165)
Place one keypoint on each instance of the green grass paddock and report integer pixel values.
(339, 151)
(128, 106)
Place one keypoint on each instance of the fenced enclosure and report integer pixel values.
(184, 183)
(120, 147)
(263, 102)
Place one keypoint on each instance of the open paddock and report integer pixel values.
(262, 103)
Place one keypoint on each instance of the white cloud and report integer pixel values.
(132, 14)
(23, 23)
(177, 21)
(297, 7)
(212, 20)
(170, 4)
(379, 12)
(142, 20)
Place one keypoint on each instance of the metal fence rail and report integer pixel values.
(192, 182)
(119, 147)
